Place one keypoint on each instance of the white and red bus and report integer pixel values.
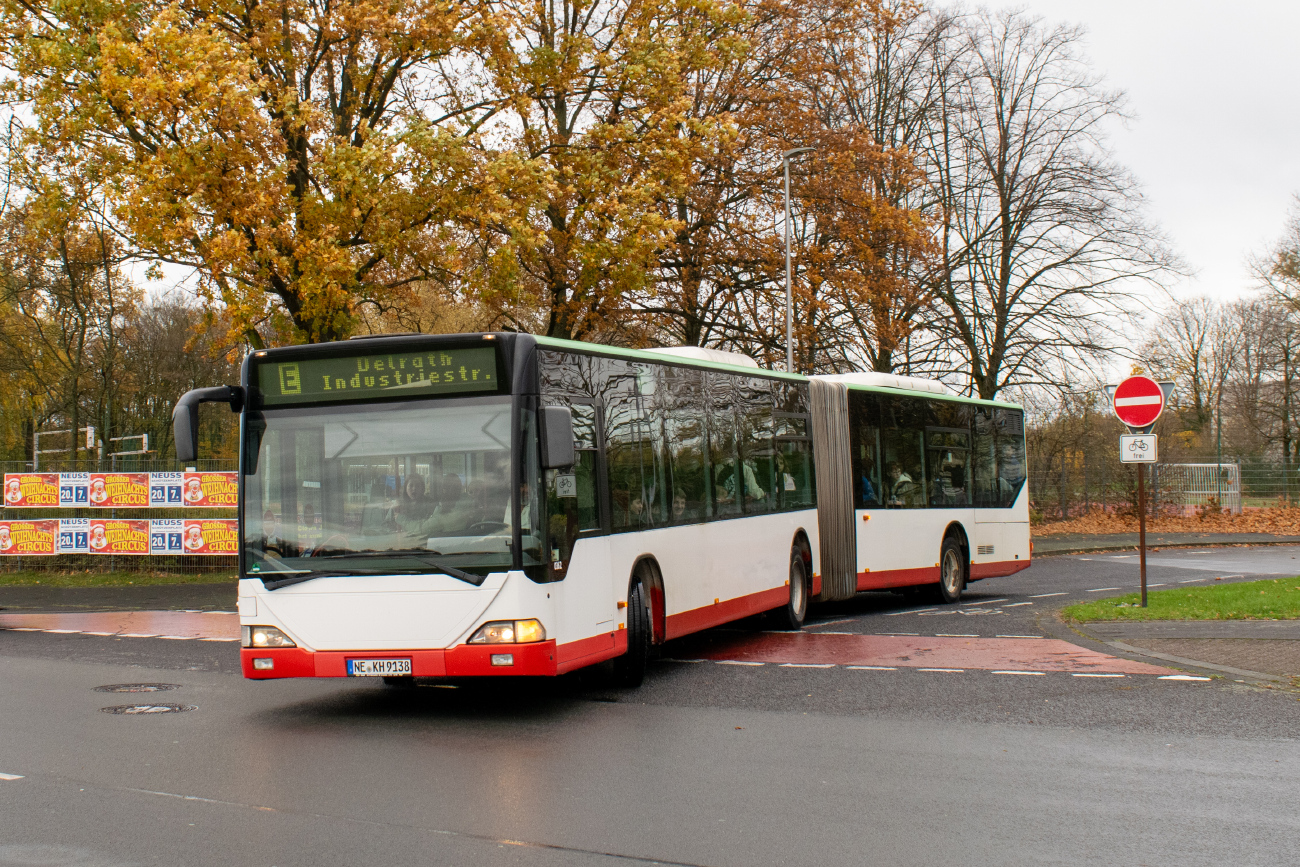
(500, 504)
(917, 487)
(503, 504)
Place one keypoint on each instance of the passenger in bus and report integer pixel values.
(415, 508)
(681, 513)
(636, 515)
(866, 490)
(902, 490)
(727, 485)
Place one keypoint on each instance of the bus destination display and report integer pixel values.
(379, 375)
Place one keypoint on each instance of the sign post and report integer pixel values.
(1138, 402)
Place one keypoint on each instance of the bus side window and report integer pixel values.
(724, 460)
(756, 447)
(681, 402)
(984, 463)
(794, 475)
(864, 444)
(901, 447)
(1010, 427)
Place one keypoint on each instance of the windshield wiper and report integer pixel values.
(412, 553)
(297, 576)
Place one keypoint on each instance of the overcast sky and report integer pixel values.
(1214, 91)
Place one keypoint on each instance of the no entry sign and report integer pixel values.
(1138, 401)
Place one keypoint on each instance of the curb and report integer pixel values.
(1085, 549)
(1226, 669)
(1051, 623)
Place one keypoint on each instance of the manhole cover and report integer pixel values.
(132, 709)
(137, 687)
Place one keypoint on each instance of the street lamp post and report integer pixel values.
(789, 280)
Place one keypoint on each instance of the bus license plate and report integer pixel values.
(378, 667)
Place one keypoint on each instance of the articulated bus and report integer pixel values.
(503, 504)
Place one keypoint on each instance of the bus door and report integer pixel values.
(577, 530)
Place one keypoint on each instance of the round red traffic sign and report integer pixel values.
(1138, 401)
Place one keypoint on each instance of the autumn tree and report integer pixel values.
(591, 101)
(291, 152)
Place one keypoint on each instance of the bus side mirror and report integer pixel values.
(557, 438)
(185, 418)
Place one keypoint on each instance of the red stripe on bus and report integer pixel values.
(686, 622)
(897, 578)
(589, 651)
(998, 569)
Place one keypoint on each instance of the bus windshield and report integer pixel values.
(392, 488)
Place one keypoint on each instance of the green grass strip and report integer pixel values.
(1270, 599)
(31, 578)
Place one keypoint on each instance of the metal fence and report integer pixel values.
(145, 563)
(1073, 486)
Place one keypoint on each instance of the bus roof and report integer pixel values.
(664, 358)
(653, 358)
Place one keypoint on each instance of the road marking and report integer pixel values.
(1100, 589)
(99, 633)
(829, 623)
(1015, 604)
(803, 664)
(872, 668)
(985, 602)
(22, 629)
(1045, 595)
(955, 670)
(1156, 585)
(1020, 636)
(177, 637)
(11, 776)
(898, 633)
(139, 635)
(61, 631)
(1034, 673)
(1090, 674)
(1187, 581)
(735, 662)
(837, 633)
(218, 639)
(1181, 677)
(953, 635)
(911, 611)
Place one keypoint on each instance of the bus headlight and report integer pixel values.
(509, 632)
(265, 636)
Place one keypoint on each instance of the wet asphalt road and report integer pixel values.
(706, 764)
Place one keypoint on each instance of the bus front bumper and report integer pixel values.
(461, 661)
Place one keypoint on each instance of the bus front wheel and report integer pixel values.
(629, 669)
(796, 608)
(952, 571)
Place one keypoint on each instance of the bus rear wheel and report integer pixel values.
(796, 608)
(629, 669)
(952, 571)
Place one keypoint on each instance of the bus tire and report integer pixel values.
(796, 608)
(952, 571)
(629, 669)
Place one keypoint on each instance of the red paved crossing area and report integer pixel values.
(992, 654)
